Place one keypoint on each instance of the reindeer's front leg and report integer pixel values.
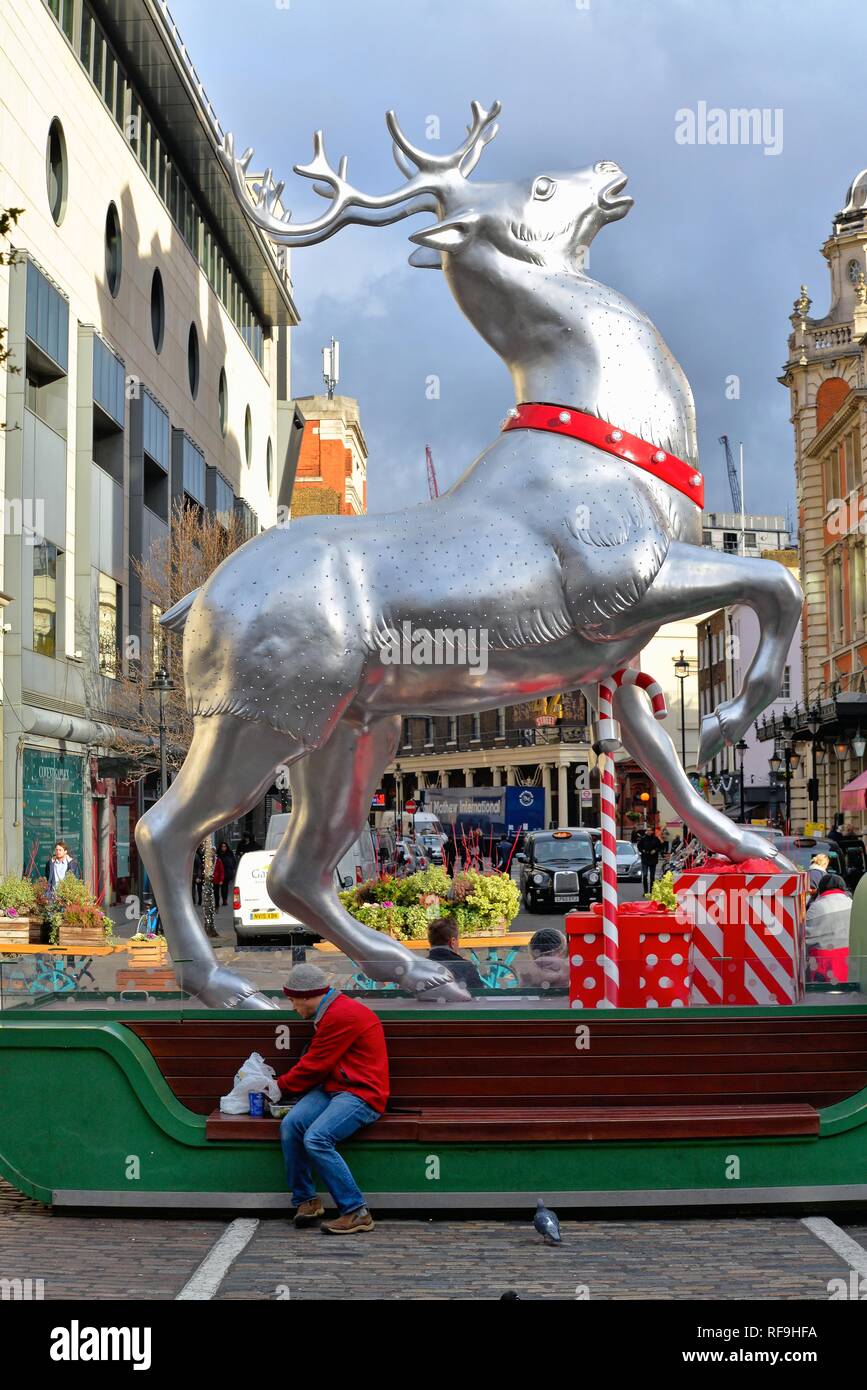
(694, 579)
(653, 750)
(331, 793)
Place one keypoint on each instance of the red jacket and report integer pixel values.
(347, 1054)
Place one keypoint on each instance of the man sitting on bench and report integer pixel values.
(343, 1076)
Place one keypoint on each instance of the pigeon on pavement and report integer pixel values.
(546, 1224)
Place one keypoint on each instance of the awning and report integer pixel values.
(853, 797)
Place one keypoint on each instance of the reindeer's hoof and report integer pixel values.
(431, 983)
(712, 740)
(224, 989)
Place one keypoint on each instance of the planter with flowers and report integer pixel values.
(22, 918)
(147, 950)
(481, 904)
(78, 923)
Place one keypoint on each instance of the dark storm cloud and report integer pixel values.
(719, 240)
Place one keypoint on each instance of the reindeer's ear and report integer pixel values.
(447, 236)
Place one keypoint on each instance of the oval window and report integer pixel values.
(248, 435)
(113, 250)
(269, 465)
(193, 360)
(56, 170)
(223, 397)
(158, 311)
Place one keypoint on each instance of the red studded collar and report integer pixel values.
(557, 419)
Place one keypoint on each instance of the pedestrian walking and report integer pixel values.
(450, 855)
(228, 859)
(649, 847)
(198, 875)
(59, 865)
(343, 1084)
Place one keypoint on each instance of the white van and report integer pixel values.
(254, 913)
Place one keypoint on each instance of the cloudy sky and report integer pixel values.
(719, 240)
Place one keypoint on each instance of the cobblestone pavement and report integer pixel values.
(96, 1256)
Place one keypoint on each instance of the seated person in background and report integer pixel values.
(547, 962)
(819, 866)
(828, 932)
(443, 936)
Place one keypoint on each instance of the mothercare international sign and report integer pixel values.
(488, 808)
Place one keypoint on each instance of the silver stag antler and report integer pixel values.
(349, 204)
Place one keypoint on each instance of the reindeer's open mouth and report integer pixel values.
(525, 232)
(608, 196)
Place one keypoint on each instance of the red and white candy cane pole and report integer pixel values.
(606, 740)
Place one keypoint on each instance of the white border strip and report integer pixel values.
(848, 1249)
(219, 1260)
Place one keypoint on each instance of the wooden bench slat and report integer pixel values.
(555, 1123)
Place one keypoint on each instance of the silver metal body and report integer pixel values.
(567, 558)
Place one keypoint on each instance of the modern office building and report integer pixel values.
(747, 534)
(149, 330)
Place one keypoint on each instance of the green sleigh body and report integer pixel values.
(91, 1114)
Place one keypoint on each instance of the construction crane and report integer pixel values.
(734, 484)
(432, 484)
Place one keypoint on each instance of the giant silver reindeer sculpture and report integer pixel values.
(568, 542)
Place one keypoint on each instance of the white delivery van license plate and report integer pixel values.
(265, 916)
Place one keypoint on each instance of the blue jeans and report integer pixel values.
(308, 1135)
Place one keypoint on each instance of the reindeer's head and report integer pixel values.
(548, 220)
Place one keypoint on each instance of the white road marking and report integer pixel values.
(219, 1260)
(848, 1249)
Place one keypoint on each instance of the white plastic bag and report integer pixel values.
(254, 1075)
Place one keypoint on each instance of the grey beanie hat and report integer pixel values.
(305, 981)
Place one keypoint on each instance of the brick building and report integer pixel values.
(331, 473)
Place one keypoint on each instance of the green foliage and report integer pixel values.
(75, 905)
(8, 219)
(426, 881)
(494, 898)
(18, 894)
(663, 892)
(478, 902)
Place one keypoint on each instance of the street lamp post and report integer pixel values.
(741, 748)
(162, 684)
(813, 723)
(681, 671)
(792, 760)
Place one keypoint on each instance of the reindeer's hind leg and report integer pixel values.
(653, 750)
(332, 788)
(694, 579)
(229, 767)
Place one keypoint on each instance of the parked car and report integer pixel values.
(801, 848)
(410, 858)
(559, 868)
(255, 916)
(432, 846)
(628, 861)
(852, 853)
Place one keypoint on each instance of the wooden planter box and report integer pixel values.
(147, 952)
(21, 931)
(147, 978)
(80, 938)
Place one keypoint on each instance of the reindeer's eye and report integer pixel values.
(544, 187)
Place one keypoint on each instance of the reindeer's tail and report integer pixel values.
(177, 615)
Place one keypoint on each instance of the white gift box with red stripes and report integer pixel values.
(747, 942)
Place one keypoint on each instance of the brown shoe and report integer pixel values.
(350, 1224)
(308, 1213)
